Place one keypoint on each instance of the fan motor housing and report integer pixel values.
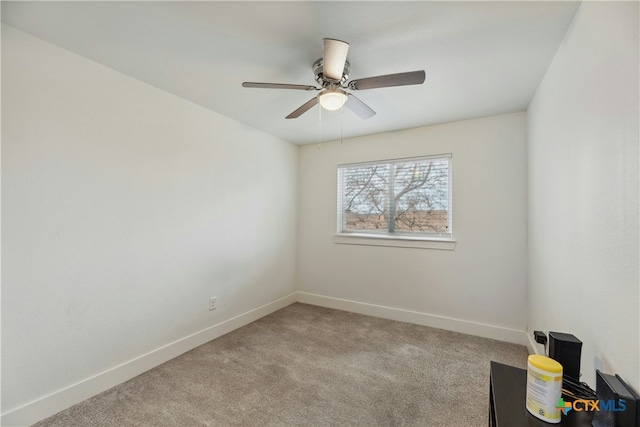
(322, 80)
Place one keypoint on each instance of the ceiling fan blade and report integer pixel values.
(388, 80)
(303, 108)
(359, 107)
(278, 86)
(334, 56)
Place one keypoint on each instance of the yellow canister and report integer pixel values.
(544, 388)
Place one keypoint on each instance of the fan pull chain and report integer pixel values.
(341, 122)
(319, 126)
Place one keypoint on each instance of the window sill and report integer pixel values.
(395, 241)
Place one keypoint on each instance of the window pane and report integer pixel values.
(421, 196)
(396, 197)
(364, 201)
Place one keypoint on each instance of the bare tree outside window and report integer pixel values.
(407, 196)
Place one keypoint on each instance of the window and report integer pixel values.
(406, 197)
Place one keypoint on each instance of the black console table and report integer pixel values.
(507, 395)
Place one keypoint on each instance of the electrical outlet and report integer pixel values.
(212, 303)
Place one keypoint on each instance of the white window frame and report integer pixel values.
(405, 239)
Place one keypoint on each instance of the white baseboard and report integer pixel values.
(46, 406)
(534, 347)
(472, 328)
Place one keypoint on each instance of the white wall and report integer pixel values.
(124, 209)
(483, 280)
(583, 191)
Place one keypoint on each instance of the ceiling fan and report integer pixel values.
(332, 73)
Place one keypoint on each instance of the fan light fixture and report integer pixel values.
(332, 75)
(332, 99)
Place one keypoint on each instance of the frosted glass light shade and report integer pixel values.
(332, 99)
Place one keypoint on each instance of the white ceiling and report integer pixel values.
(481, 58)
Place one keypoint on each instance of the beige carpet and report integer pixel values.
(310, 366)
